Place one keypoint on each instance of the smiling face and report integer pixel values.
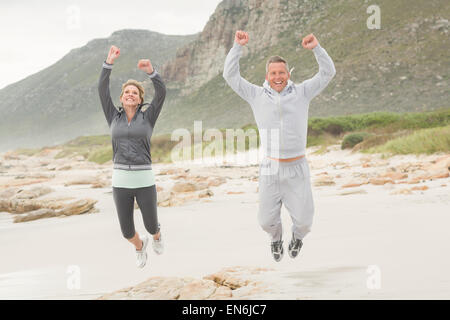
(277, 75)
(130, 96)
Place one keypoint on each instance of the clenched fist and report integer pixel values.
(113, 54)
(241, 37)
(310, 42)
(145, 65)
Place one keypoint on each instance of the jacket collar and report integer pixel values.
(288, 89)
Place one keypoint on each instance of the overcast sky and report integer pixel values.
(34, 34)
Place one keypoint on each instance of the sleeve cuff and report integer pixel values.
(317, 48)
(153, 74)
(107, 65)
(237, 45)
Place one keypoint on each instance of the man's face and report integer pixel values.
(277, 76)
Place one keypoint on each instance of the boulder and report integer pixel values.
(198, 290)
(380, 181)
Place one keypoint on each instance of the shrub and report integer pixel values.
(353, 139)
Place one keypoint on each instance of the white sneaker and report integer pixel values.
(158, 245)
(141, 255)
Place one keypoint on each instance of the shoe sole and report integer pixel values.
(291, 251)
(281, 256)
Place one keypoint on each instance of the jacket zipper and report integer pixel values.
(128, 135)
(280, 112)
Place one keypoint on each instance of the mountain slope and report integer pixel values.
(404, 66)
(61, 102)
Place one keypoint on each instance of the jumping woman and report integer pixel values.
(131, 130)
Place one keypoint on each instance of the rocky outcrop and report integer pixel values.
(28, 210)
(229, 283)
(202, 60)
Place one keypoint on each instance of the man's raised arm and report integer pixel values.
(242, 87)
(312, 87)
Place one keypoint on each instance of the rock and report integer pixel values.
(101, 184)
(215, 182)
(184, 187)
(29, 208)
(380, 181)
(394, 175)
(420, 188)
(77, 207)
(188, 187)
(441, 164)
(172, 171)
(8, 193)
(234, 277)
(205, 193)
(34, 192)
(183, 176)
(402, 191)
(35, 214)
(250, 290)
(357, 191)
(353, 184)
(439, 175)
(235, 192)
(81, 180)
(21, 183)
(324, 180)
(443, 173)
(62, 168)
(198, 290)
(221, 293)
(12, 155)
(163, 196)
(155, 288)
(187, 288)
(20, 205)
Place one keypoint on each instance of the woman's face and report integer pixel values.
(130, 97)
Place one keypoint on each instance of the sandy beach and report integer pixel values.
(373, 240)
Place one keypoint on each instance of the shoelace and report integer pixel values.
(276, 246)
(295, 244)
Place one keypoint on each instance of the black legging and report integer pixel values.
(146, 199)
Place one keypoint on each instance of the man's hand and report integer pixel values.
(241, 37)
(145, 65)
(310, 42)
(113, 54)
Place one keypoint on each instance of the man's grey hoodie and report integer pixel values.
(282, 118)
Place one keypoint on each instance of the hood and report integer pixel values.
(286, 89)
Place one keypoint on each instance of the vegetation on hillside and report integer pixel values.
(381, 132)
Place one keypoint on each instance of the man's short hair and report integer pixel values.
(273, 59)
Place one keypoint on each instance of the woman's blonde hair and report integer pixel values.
(138, 85)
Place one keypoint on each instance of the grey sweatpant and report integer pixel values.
(287, 183)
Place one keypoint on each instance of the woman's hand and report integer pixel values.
(145, 65)
(241, 37)
(113, 54)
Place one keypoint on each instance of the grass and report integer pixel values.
(425, 141)
(391, 133)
